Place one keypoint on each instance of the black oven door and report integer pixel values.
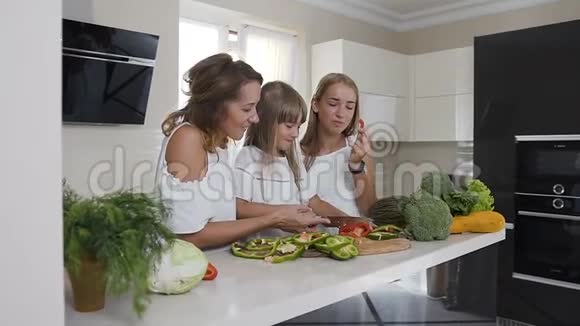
(550, 166)
(547, 248)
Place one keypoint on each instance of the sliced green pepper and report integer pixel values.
(380, 235)
(239, 250)
(338, 241)
(388, 228)
(289, 239)
(285, 252)
(260, 244)
(352, 249)
(334, 242)
(308, 239)
(322, 247)
(345, 252)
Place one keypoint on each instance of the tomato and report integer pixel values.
(361, 123)
(211, 273)
(360, 229)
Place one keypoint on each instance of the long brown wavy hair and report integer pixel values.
(311, 141)
(279, 103)
(212, 81)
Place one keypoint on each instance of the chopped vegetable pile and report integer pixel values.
(290, 248)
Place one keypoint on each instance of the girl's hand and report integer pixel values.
(297, 219)
(360, 148)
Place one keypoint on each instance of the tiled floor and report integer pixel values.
(352, 310)
(390, 305)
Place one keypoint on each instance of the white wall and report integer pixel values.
(116, 156)
(30, 118)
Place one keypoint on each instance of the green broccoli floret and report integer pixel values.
(437, 184)
(428, 217)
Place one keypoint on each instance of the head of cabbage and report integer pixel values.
(181, 267)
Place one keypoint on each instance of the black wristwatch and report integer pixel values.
(361, 168)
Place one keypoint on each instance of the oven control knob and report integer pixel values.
(558, 189)
(558, 203)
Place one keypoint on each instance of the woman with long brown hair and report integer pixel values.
(194, 174)
(269, 170)
(336, 147)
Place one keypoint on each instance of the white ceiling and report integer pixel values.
(404, 7)
(404, 15)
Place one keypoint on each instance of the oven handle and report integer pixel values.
(547, 281)
(549, 215)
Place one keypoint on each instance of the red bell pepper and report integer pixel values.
(211, 273)
(360, 229)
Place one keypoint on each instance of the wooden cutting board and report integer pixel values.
(367, 246)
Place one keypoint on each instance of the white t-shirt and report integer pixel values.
(332, 180)
(195, 203)
(272, 183)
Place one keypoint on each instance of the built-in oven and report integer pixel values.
(547, 202)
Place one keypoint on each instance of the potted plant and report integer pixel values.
(111, 244)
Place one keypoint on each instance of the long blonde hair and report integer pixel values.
(311, 141)
(212, 81)
(279, 103)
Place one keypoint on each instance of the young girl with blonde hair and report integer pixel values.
(336, 148)
(269, 169)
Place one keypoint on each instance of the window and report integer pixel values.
(271, 53)
(196, 42)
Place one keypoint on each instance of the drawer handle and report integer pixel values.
(549, 215)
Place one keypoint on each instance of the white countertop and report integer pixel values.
(253, 292)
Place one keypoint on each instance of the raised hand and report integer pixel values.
(360, 149)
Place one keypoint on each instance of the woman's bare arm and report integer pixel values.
(323, 208)
(216, 234)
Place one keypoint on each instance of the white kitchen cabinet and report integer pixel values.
(426, 97)
(448, 72)
(375, 70)
(386, 117)
(442, 89)
(444, 118)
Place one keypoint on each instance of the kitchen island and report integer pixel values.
(253, 292)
